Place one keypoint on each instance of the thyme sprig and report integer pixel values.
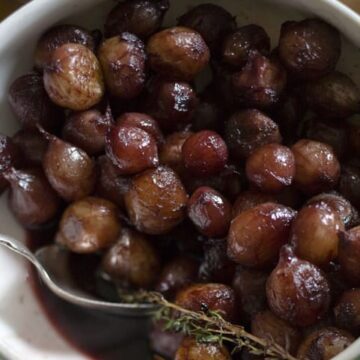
(207, 326)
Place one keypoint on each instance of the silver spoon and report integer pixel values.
(51, 264)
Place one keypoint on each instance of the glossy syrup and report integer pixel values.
(95, 335)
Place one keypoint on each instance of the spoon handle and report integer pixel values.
(19, 248)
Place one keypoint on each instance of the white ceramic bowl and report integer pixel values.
(25, 332)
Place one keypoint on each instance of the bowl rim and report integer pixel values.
(345, 9)
(339, 15)
(9, 25)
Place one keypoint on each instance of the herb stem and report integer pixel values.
(207, 327)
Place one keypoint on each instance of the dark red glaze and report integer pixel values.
(250, 289)
(87, 129)
(354, 134)
(338, 284)
(31, 104)
(317, 168)
(347, 311)
(183, 239)
(139, 17)
(297, 291)
(164, 342)
(10, 154)
(333, 96)
(256, 235)
(315, 233)
(31, 199)
(144, 122)
(249, 199)
(171, 152)
(211, 296)
(190, 349)
(156, 201)
(131, 149)
(247, 355)
(123, 59)
(267, 326)
(212, 21)
(70, 171)
(6, 159)
(271, 168)
(119, 107)
(132, 261)
(349, 255)
(208, 116)
(238, 45)
(32, 146)
(210, 212)
(176, 274)
(178, 53)
(329, 133)
(228, 182)
(289, 115)
(89, 225)
(259, 83)
(222, 87)
(57, 36)
(309, 48)
(111, 185)
(205, 153)
(291, 196)
(349, 183)
(348, 214)
(247, 130)
(324, 344)
(171, 103)
(216, 266)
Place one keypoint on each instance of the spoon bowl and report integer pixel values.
(51, 263)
